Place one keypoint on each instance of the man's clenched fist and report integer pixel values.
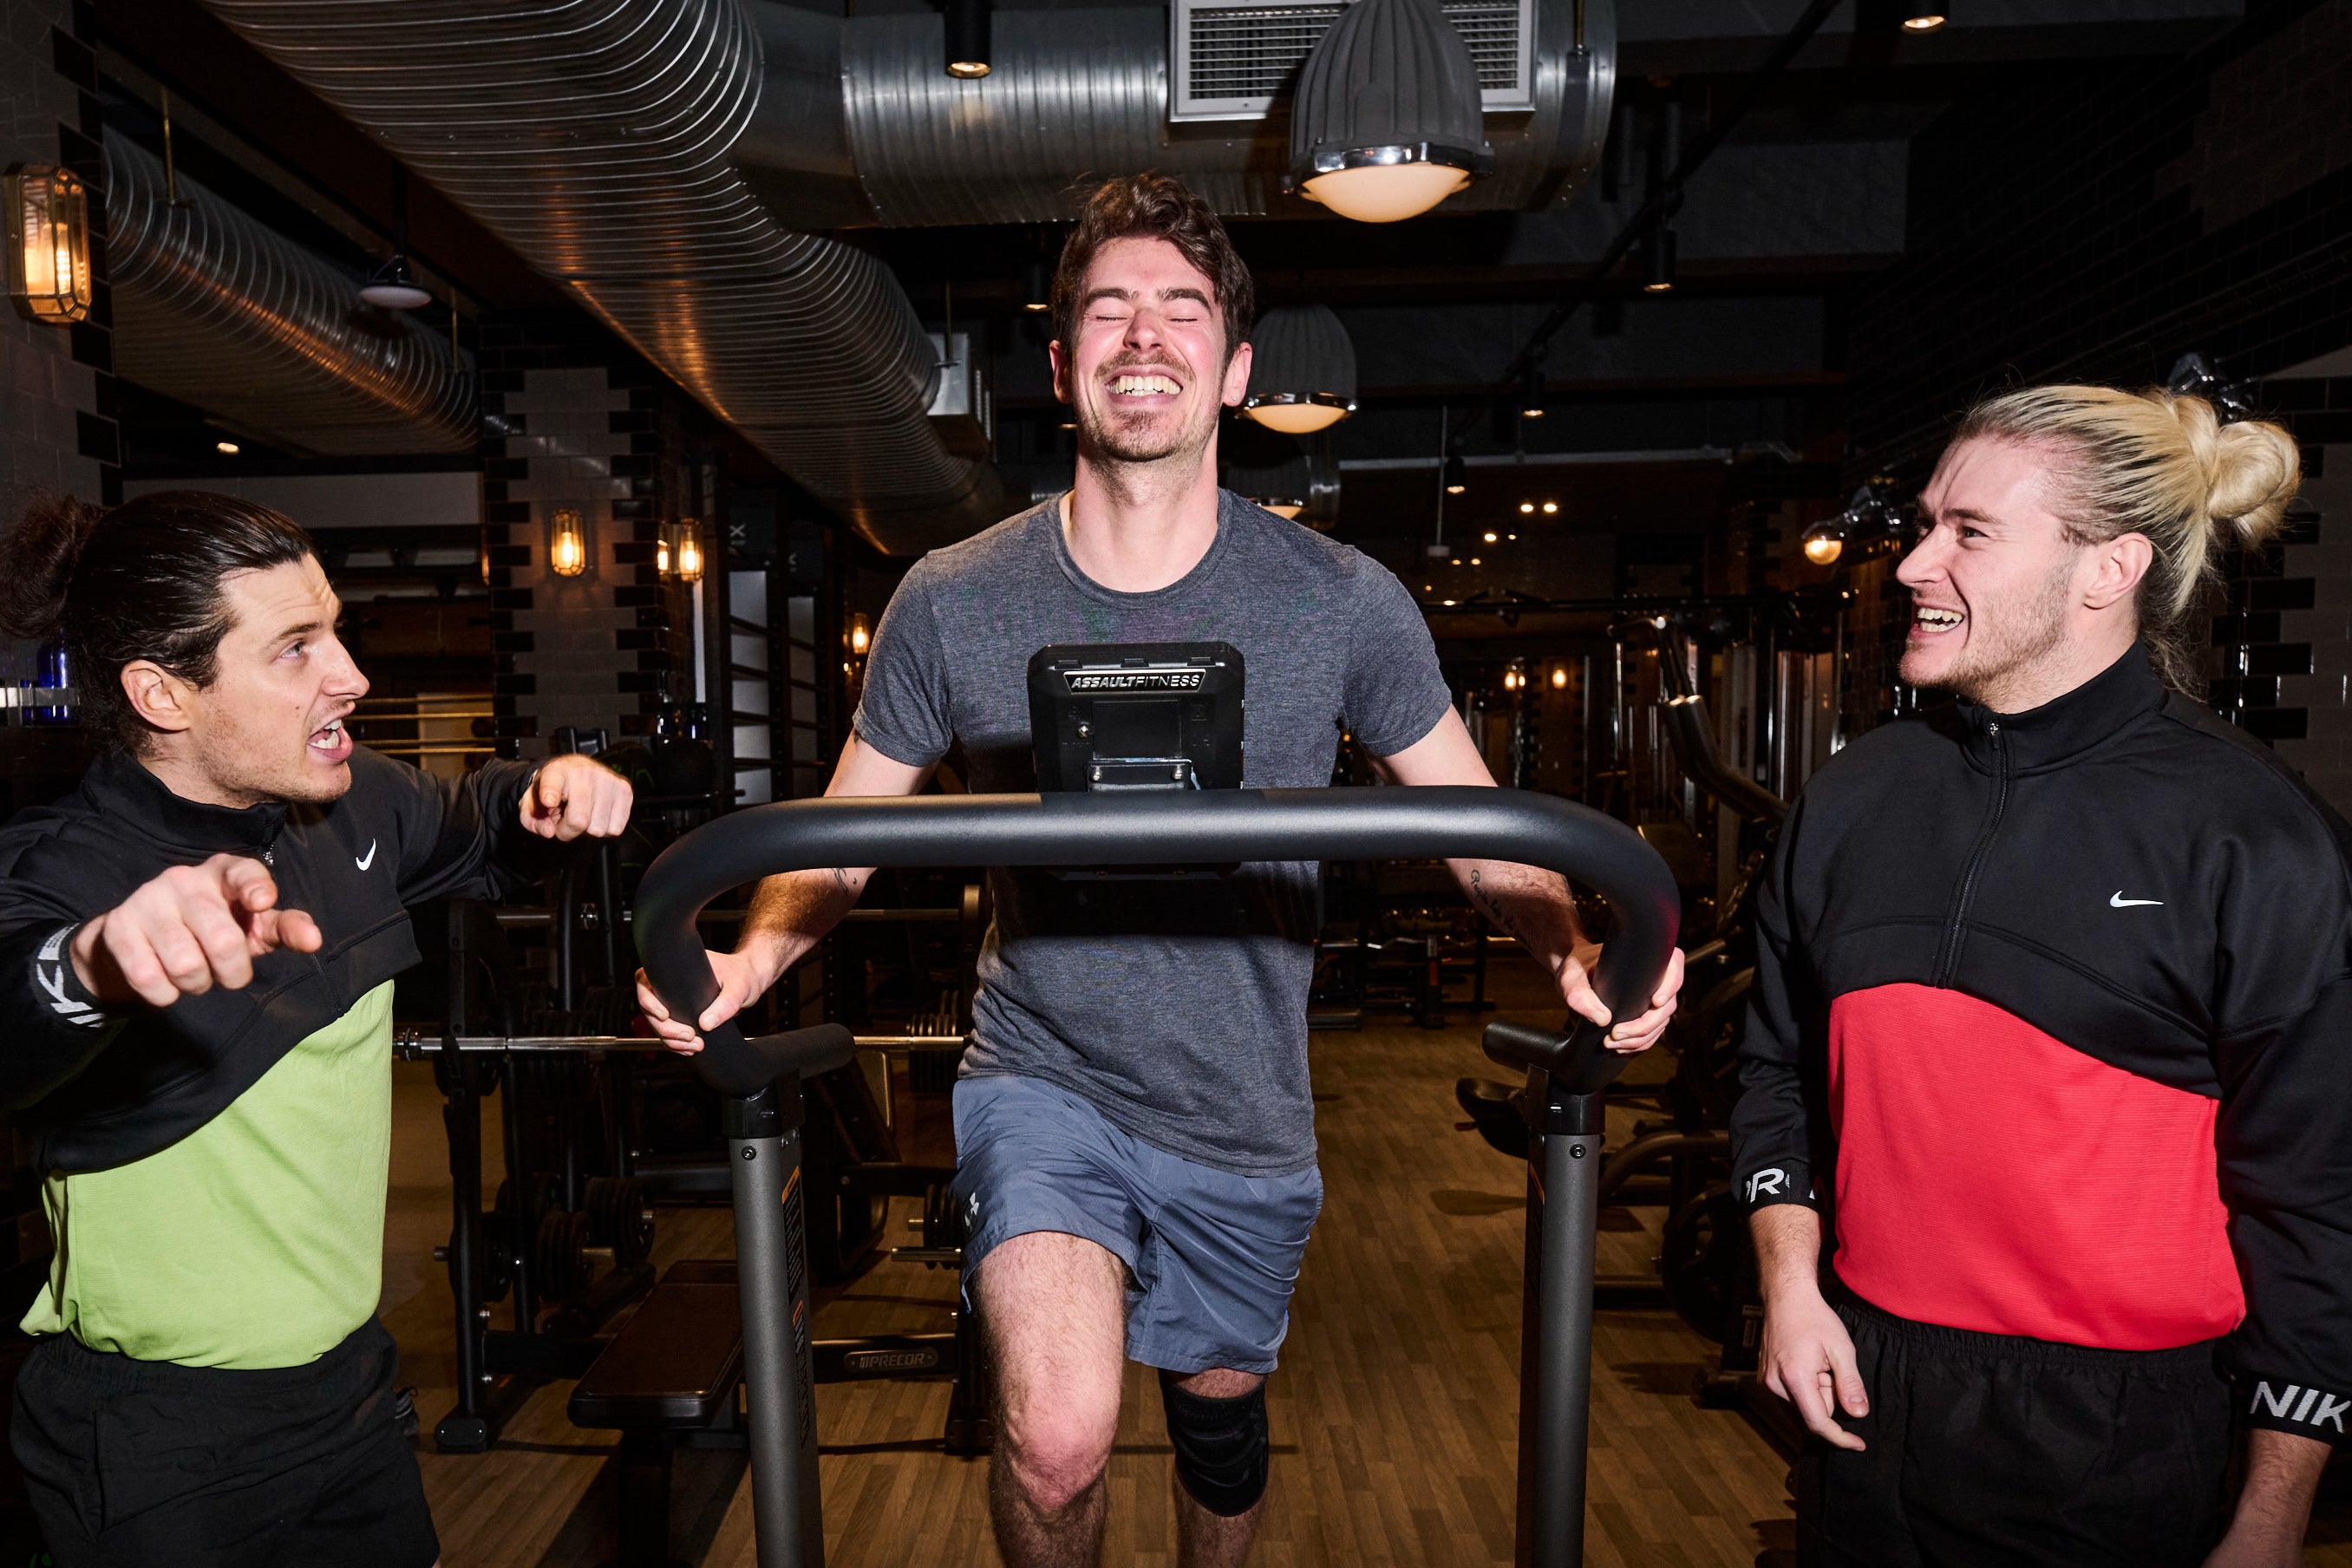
(576, 795)
(191, 928)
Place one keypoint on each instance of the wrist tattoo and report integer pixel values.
(1492, 906)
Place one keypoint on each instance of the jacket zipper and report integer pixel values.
(1950, 958)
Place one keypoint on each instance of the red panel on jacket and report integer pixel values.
(1990, 1177)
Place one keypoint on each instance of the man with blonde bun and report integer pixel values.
(2053, 1040)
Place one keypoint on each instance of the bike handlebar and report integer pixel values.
(1166, 828)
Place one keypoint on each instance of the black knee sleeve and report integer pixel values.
(1221, 1446)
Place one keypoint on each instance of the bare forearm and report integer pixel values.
(2282, 1478)
(1526, 903)
(791, 913)
(1787, 1252)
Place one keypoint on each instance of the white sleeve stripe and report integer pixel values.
(54, 980)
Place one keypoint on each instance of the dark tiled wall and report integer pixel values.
(53, 435)
(2094, 222)
(568, 421)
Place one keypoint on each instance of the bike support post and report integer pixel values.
(1555, 1327)
(764, 1152)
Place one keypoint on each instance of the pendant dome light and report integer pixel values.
(391, 286)
(1289, 478)
(1387, 120)
(1302, 368)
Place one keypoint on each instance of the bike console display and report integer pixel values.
(1136, 716)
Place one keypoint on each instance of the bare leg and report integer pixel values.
(1054, 1308)
(1205, 1540)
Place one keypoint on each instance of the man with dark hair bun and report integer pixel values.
(1134, 1134)
(197, 953)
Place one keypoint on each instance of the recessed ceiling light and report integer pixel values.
(1550, 507)
(1527, 506)
(1490, 536)
(227, 448)
(1925, 20)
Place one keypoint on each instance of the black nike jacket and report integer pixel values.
(97, 1089)
(2053, 1017)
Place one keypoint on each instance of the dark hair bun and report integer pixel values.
(37, 564)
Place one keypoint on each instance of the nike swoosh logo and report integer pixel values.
(369, 858)
(2120, 902)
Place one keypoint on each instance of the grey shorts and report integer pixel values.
(1211, 1258)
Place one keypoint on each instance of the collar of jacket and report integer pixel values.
(2067, 726)
(118, 782)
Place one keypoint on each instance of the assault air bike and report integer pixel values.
(1164, 829)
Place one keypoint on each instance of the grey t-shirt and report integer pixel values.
(1179, 1010)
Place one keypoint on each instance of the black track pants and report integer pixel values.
(1996, 1450)
(135, 1464)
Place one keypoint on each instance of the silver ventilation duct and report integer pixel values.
(592, 137)
(861, 125)
(214, 308)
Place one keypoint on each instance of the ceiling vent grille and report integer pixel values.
(1234, 57)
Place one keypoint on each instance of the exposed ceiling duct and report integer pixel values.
(860, 125)
(592, 137)
(218, 310)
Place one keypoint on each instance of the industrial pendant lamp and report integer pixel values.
(967, 38)
(1386, 120)
(1658, 261)
(391, 284)
(1302, 368)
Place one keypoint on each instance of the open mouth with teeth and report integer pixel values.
(329, 743)
(1144, 383)
(1928, 620)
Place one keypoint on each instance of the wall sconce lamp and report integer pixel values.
(678, 557)
(48, 242)
(861, 635)
(567, 543)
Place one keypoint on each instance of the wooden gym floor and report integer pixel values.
(1395, 1416)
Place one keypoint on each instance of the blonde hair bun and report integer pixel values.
(2253, 471)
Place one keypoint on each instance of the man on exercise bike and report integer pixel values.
(196, 956)
(1134, 1132)
(2052, 1041)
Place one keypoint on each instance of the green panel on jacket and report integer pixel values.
(255, 1241)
